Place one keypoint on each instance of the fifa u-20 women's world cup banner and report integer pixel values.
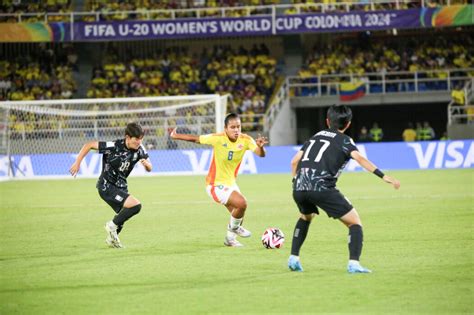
(245, 26)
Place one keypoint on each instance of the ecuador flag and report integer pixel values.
(351, 91)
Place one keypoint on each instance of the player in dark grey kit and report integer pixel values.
(315, 169)
(119, 158)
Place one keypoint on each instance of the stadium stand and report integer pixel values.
(101, 10)
(344, 59)
(396, 55)
(35, 11)
(44, 73)
(249, 76)
(143, 10)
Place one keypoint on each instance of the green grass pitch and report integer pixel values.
(418, 242)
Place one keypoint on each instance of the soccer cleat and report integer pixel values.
(294, 264)
(112, 238)
(240, 231)
(109, 241)
(232, 242)
(355, 267)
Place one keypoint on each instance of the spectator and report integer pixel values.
(409, 134)
(376, 133)
(458, 96)
(427, 133)
(364, 135)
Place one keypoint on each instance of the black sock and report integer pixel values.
(299, 235)
(356, 238)
(125, 214)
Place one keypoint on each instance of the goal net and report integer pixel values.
(41, 139)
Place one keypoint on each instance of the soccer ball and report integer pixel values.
(273, 238)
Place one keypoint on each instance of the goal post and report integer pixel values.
(40, 139)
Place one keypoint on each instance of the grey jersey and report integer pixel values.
(324, 157)
(118, 161)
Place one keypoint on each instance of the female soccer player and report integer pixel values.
(229, 149)
(119, 158)
(315, 169)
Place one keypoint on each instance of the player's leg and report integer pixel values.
(299, 236)
(307, 210)
(112, 229)
(236, 205)
(339, 207)
(355, 241)
(115, 198)
(117, 207)
(300, 232)
(131, 207)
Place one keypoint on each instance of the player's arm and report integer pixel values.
(147, 164)
(369, 166)
(260, 150)
(180, 136)
(145, 159)
(294, 162)
(92, 145)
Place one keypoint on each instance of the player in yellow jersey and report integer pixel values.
(229, 149)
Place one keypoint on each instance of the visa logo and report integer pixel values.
(444, 154)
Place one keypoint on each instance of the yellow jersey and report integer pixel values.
(409, 135)
(226, 157)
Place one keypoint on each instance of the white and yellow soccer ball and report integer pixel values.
(273, 238)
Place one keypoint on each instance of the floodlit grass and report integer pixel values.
(418, 242)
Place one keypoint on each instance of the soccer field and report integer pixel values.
(418, 242)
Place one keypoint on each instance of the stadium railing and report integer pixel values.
(275, 105)
(461, 114)
(380, 83)
(241, 11)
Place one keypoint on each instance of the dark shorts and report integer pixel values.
(114, 196)
(331, 201)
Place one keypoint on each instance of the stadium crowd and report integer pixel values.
(212, 6)
(141, 8)
(36, 10)
(153, 10)
(370, 59)
(122, 10)
(382, 57)
(248, 76)
(44, 73)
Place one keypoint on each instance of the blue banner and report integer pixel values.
(273, 25)
(387, 156)
(331, 21)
